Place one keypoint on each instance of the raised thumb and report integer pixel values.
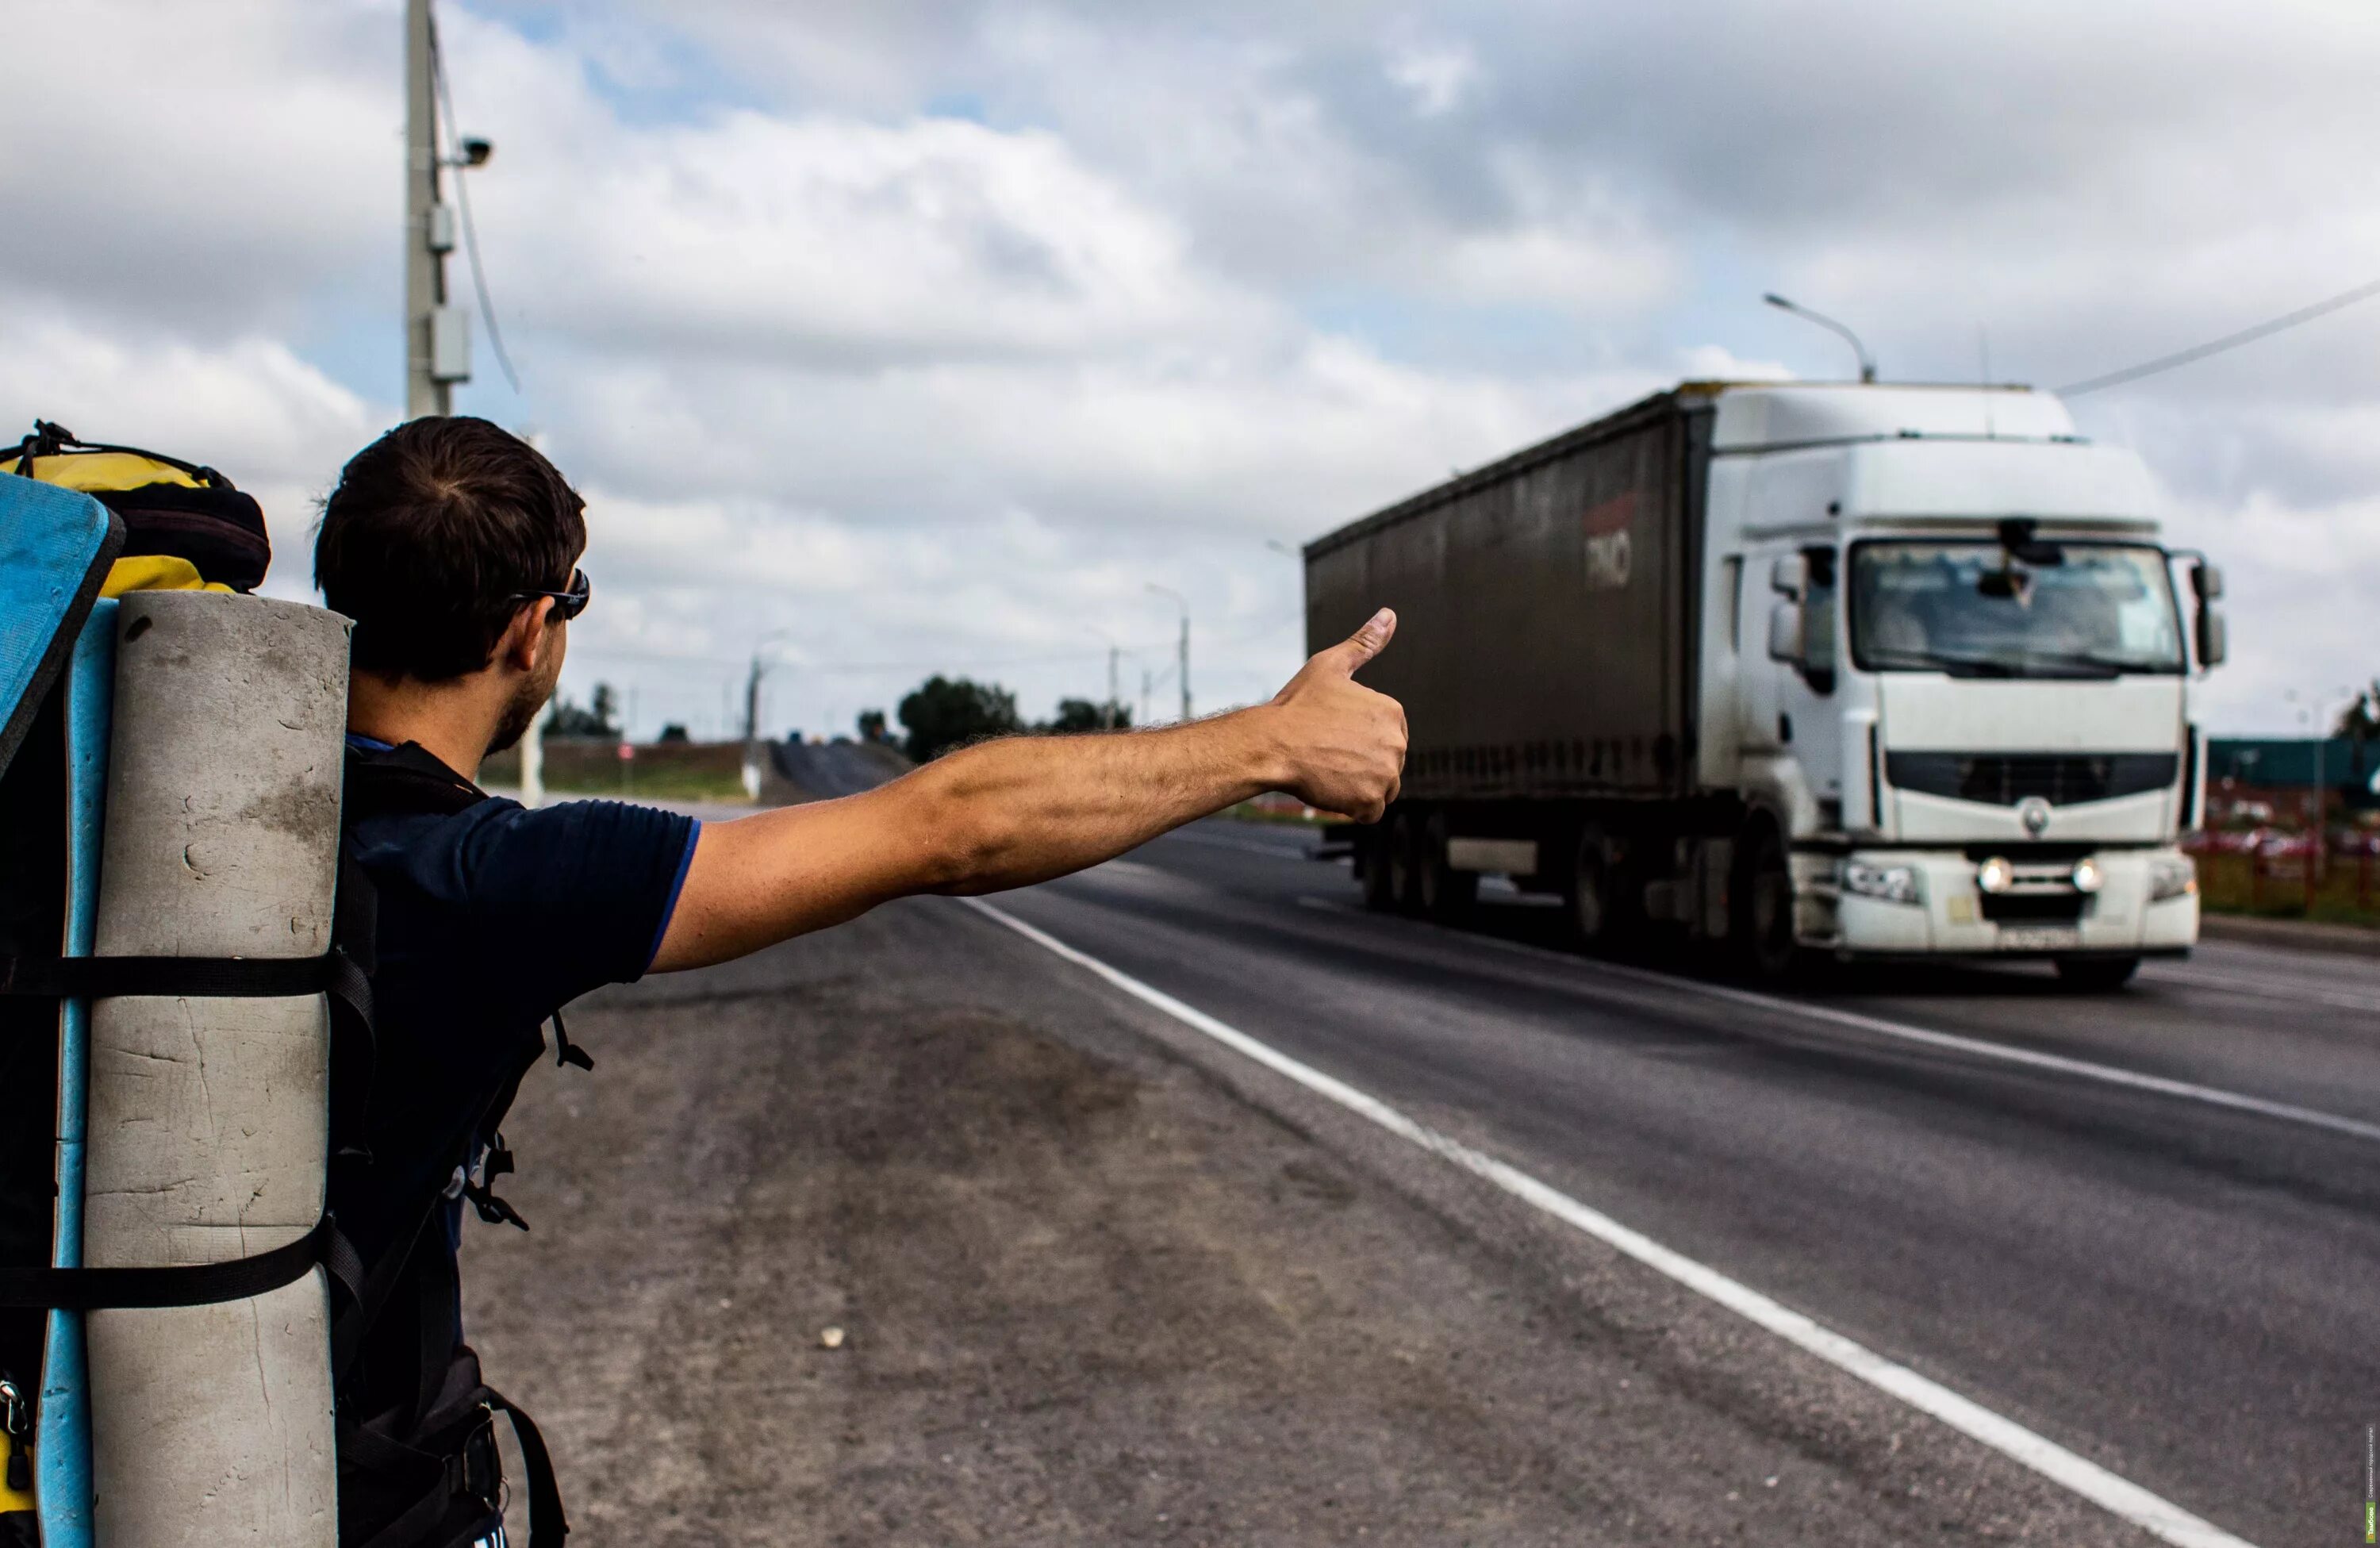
(1369, 640)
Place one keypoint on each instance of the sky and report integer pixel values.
(886, 337)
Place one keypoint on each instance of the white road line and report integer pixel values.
(2212, 1096)
(2119, 1496)
(1252, 846)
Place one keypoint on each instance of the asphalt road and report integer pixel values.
(2176, 1278)
(826, 770)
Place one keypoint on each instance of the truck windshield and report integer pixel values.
(1975, 609)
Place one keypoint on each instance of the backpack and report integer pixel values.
(420, 1474)
(186, 527)
(422, 1471)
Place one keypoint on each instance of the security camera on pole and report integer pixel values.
(437, 337)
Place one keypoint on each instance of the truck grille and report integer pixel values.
(2005, 778)
(2033, 907)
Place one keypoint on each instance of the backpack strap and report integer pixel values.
(51, 439)
(185, 1285)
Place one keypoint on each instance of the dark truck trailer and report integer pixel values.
(1962, 730)
(1548, 610)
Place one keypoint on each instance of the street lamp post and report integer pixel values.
(1866, 361)
(1114, 703)
(752, 713)
(2311, 709)
(1183, 667)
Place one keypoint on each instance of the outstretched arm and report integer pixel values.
(1014, 812)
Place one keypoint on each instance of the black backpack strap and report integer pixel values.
(547, 1525)
(462, 1470)
(51, 439)
(101, 978)
(566, 1052)
(190, 1285)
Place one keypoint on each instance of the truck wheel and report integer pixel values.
(1446, 894)
(1762, 928)
(1405, 861)
(1592, 924)
(2097, 975)
(1380, 886)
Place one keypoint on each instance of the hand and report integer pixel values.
(1345, 744)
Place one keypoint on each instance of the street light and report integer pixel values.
(752, 712)
(1866, 365)
(1108, 716)
(1184, 603)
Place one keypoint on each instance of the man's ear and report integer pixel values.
(525, 644)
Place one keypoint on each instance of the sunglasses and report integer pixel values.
(566, 605)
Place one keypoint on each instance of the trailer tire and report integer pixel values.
(2097, 975)
(1591, 898)
(1761, 928)
(1446, 894)
(1372, 860)
(1405, 861)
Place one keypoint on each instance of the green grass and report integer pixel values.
(663, 784)
(2225, 886)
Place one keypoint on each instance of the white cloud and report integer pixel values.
(825, 351)
(1437, 75)
(276, 425)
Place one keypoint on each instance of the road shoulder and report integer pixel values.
(1097, 1282)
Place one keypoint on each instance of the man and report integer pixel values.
(455, 547)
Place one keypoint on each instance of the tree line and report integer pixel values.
(939, 715)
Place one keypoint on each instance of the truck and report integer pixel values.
(1803, 671)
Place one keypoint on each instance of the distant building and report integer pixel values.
(2266, 777)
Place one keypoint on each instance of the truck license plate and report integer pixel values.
(2040, 938)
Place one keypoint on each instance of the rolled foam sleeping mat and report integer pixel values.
(208, 1116)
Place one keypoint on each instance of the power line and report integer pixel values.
(2230, 341)
(463, 203)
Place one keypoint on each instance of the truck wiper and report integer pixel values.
(1956, 666)
(2085, 660)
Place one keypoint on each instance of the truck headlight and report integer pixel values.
(1996, 875)
(2172, 876)
(2087, 876)
(1894, 883)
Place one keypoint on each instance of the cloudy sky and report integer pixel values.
(927, 335)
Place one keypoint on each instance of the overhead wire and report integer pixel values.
(2230, 341)
(462, 205)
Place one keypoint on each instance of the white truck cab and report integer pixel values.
(1944, 647)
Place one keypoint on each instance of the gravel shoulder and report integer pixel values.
(1096, 1283)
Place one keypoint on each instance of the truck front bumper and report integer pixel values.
(1939, 907)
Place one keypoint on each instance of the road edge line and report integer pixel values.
(2118, 1496)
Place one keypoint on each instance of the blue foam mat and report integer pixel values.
(62, 1481)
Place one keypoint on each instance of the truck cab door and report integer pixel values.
(1759, 686)
(1808, 714)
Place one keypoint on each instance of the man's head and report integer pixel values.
(435, 537)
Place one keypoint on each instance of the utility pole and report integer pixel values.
(1114, 702)
(752, 730)
(1183, 668)
(532, 757)
(437, 337)
(752, 712)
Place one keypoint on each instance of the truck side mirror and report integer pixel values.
(1789, 576)
(1785, 632)
(2206, 580)
(2213, 641)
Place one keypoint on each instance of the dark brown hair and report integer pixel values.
(432, 531)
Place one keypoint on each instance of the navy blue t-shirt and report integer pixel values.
(491, 920)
